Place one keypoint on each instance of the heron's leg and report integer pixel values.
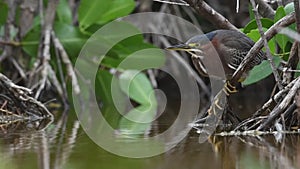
(229, 88)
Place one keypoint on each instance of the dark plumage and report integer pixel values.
(228, 45)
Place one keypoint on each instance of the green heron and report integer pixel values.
(228, 45)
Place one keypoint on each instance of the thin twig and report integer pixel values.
(67, 62)
(18, 67)
(44, 47)
(55, 82)
(10, 43)
(203, 9)
(182, 3)
(268, 53)
(264, 9)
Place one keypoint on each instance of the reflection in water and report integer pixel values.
(61, 145)
(39, 148)
(257, 152)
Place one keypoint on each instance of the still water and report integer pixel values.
(64, 144)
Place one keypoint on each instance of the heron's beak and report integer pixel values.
(182, 47)
(187, 48)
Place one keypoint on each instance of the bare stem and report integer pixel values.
(203, 9)
(268, 53)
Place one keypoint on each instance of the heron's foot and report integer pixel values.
(229, 88)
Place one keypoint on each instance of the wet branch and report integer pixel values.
(281, 107)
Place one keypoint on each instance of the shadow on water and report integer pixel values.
(63, 144)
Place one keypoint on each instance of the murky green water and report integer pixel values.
(65, 145)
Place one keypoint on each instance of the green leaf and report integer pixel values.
(104, 88)
(3, 12)
(255, 35)
(280, 13)
(101, 11)
(266, 23)
(289, 8)
(282, 41)
(260, 71)
(140, 60)
(31, 41)
(130, 45)
(70, 36)
(118, 9)
(137, 86)
(144, 59)
(90, 11)
(63, 12)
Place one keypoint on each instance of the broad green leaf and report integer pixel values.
(137, 121)
(137, 86)
(103, 86)
(266, 23)
(3, 12)
(101, 11)
(255, 35)
(63, 12)
(31, 41)
(142, 59)
(260, 71)
(90, 11)
(118, 9)
(103, 89)
(120, 31)
(133, 52)
(280, 13)
(282, 41)
(129, 45)
(70, 36)
(106, 90)
(289, 8)
(111, 62)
